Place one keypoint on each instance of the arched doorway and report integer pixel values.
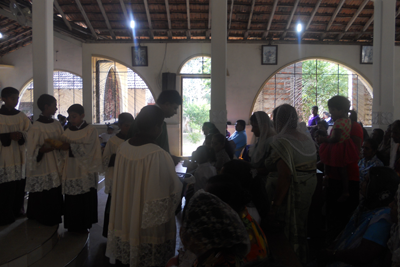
(196, 94)
(312, 83)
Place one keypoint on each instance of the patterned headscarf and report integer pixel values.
(210, 223)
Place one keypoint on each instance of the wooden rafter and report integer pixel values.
(126, 17)
(169, 19)
(188, 18)
(311, 18)
(230, 16)
(290, 19)
(103, 12)
(59, 9)
(21, 42)
(15, 37)
(365, 27)
(208, 32)
(146, 6)
(337, 10)
(361, 7)
(271, 17)
(80, 7)
(7, 25)
(246, 34)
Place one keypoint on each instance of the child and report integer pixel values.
(204, 170)
(13, 127)
(337, 152)
(80, 174)
(45, 165)
(106, 136)
(125, 121)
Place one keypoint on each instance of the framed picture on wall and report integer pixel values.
(139, 56)
(367, 52)
(269, 55)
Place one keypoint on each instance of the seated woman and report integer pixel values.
(229, 189)
(214, 232)
(363, 241)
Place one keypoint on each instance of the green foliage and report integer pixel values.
(321, 81)
(195, 137)
(197, 115)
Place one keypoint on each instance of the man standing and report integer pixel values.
(169, 102)
(314, 117)
(239, 137)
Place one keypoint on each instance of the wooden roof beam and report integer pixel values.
(360, 8)
(128, 21)
(271, 17)
(62, 15)
(169, 19)
(7, 25)
(18, 46)
(230, 17)
(290, 19)
(146, 6)
(337, 10)
(15, 37)
(246, 34)
(103, 12)
(311, 18)
(365, 28)
(208, 32)
(80, 7)
(188, 18)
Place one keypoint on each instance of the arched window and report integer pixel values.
(312, 83)
(67, 91)
(196, 94)
(117, 89)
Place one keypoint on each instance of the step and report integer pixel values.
(24, 242)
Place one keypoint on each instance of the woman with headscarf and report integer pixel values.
(363, 241)
(214, 232)
(292, 180)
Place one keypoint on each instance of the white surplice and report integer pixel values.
(80, 173)
(110, 149)
(13, 157)
(145, 193)
(45, 174)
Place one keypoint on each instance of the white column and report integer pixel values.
(87, 80)
(43, 51)
(218, 113)
(383, 87)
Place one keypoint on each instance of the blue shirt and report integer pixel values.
(240, 140)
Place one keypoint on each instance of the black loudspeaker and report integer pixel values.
(168, 81)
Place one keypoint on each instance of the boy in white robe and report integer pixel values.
(80, 172)
(145, 193)
(125, 121)
(44, 168)
(13, 127)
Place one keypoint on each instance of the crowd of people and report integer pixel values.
(239, 194)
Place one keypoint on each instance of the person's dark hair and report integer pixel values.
(228, 123)
(241, 122)
(220, 138)
(321, 133)
(212, 129)
(77, 109)
(44, 100)
(323, 123)
(203, 154)
(253, 118)
(326, 113)
(148, 117)
(228, 189)
(315, 107)
(169, 96)
(378, 135)
(395, 124)
(61, 117)
(125, 118)
(109, 127)
(9, 91)
(239, 169)
(353, 116)
(339, 102)
(381, 188)
(287, 116)
(372, 142)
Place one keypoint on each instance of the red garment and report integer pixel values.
(344, 152)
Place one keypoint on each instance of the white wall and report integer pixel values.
(246, 74)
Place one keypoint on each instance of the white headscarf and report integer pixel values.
(259, 145)
(288, 128)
